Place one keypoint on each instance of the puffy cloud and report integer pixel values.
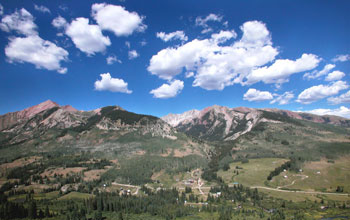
(108, 83)
(170, 61)
(168, 90)
(33, 49)
(59, 22)
(177, 35)
(42, 8)
(112, 59)
(207, 30)
(211, 17)
(116, 19)
(343, 98)
(20, 21)
(341, 58)
(255, 34)
(256, 95)
(133, 54)
(214, 66)
(315, 93)
(342, 111)
(316, 74)
(88, 38)
(223, 36)
(280, 70)
(283, 99)
(335, 75)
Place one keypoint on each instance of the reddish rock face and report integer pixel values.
(31, 111)
(12, 118)
(69, 108)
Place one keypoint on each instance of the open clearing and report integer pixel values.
(253, 173)
(317, 180)
(323, 176)
(75, 195)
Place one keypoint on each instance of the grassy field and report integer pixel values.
(331, 174)
(75, 195)
(253, 173)
(323, 175)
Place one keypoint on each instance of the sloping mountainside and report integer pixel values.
(248, 132)
(219, 123)
(51, 127)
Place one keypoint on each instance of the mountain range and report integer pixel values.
(223, 123)
(49, 126)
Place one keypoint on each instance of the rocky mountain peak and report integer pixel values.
(175, 119)
(31, 111)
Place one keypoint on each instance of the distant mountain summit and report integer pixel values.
(218, 123)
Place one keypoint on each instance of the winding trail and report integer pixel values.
(302, 178)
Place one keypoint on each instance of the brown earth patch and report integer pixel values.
(318, 165)
(140, 152)
(178, 153)
(93, 174)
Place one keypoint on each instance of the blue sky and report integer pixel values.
(173, 56)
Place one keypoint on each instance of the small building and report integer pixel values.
(324, 207)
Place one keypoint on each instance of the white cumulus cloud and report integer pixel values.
(341, 58)
(255, 34)
(20, 21)
(316, 93)
(168, 90)
(107, 83)
(343, 98)
(33, 49)
(211, 17)
(342, 111)
(214, 66)
(42, 8)
(280, 70)
(335, 75)
(316, 74)
(112, 59)
(116, 19)
(256, 95)
(133, 54)
(223, 36)
(59, 22)
(87, 37)
(177, 35)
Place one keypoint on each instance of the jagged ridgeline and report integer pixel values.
(247, 132)
(109, 132)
